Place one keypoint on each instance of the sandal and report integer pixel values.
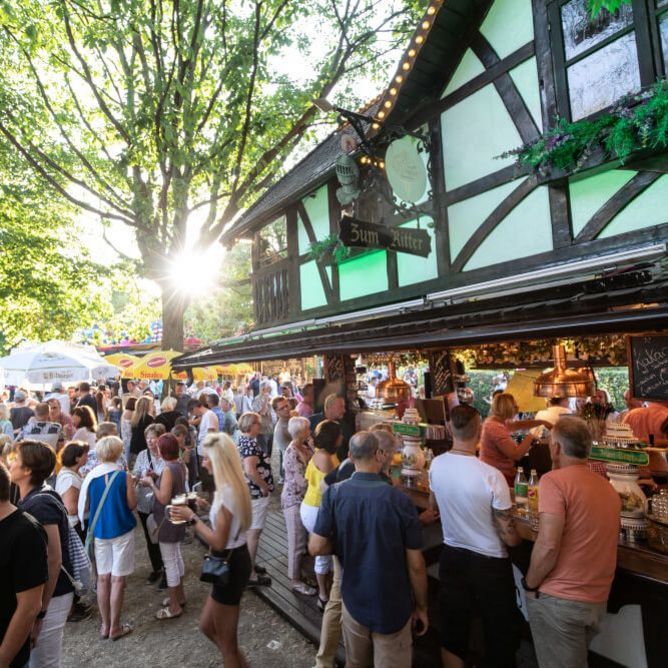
(322, 602)
(303, 588)
(126, 630)
(260, 570)
(166, 613)
(259, 581)
(166, 601)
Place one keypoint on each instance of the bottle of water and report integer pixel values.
(520, 487)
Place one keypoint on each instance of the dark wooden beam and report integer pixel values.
(440, 218)
(294, 280)
(541, 31)
(506, 88)
(560, 214)
(334, 216)
(499, 178)
(494, 218)
(622, 198)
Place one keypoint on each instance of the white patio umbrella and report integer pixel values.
(55, 361)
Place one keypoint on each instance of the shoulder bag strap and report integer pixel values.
(98, 510)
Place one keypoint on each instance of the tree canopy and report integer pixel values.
(170, 116)
(45, 275)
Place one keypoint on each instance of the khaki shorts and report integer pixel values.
(260, 507)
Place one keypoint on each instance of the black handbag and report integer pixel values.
(216, 570)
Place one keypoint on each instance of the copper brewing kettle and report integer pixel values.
(392, 390)
(563, 381)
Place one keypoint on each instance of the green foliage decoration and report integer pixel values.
(636, 122)
(329, 249)
(595, 7)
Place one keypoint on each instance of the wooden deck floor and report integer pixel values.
(302, 611)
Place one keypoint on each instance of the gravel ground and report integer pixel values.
(266, 638)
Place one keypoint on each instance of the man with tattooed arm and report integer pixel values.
(475, 572)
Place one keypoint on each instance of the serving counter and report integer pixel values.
(636, 626)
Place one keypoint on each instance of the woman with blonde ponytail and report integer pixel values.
(230, 515)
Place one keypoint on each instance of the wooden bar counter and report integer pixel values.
(640, 587)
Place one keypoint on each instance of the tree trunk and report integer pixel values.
(173, 308)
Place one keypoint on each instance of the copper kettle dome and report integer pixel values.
(564, 382)
(393, 389)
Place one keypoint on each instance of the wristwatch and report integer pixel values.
(41, 614)
(526, 587)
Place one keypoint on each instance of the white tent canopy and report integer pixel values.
(43, 364)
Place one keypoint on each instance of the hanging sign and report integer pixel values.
(406, 170)
(359, 234)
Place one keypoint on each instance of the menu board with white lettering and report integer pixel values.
(648, 367)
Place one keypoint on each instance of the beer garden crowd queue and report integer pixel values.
(77, 465)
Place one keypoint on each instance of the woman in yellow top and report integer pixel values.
(328, 438)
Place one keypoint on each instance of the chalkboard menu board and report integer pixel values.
(648, 367)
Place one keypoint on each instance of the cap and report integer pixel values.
(19, 395)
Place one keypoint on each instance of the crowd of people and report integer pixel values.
(78, 469)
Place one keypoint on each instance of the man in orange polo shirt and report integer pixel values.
(574, 558)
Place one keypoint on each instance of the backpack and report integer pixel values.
(81, 577)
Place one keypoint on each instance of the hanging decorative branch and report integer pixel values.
(636, 122)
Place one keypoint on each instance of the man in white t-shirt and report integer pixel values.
(204, 420)
(558, 406)
(476, 576)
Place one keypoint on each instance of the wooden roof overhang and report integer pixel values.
(573, 309)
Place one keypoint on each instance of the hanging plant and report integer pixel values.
(596, 6)
(329, 249)
(636, 122)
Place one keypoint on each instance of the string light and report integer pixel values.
(431, 10)
(381, 114)
(375, 126)
(387, 104)
(425, 25)
(406, 66)
(393, 91)
(398, 78)
(419, 39)
(412, 53)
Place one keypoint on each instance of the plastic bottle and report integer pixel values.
(532, 492)
(520, 487)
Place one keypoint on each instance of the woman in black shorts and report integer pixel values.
(230, 516)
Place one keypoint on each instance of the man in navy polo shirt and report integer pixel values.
(374, 530)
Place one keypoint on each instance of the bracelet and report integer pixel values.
(526, 587)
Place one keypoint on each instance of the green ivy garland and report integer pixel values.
(636, 122)
(329, 249)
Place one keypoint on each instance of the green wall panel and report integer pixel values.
(313, 294)
(525, 231)
(508, 25)
(466, 216)
(468, 68)
(364, 275)
(413, 269)
(646, 210)
(588, 195)
(525, 77)
(475, 131)
(317, 208)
